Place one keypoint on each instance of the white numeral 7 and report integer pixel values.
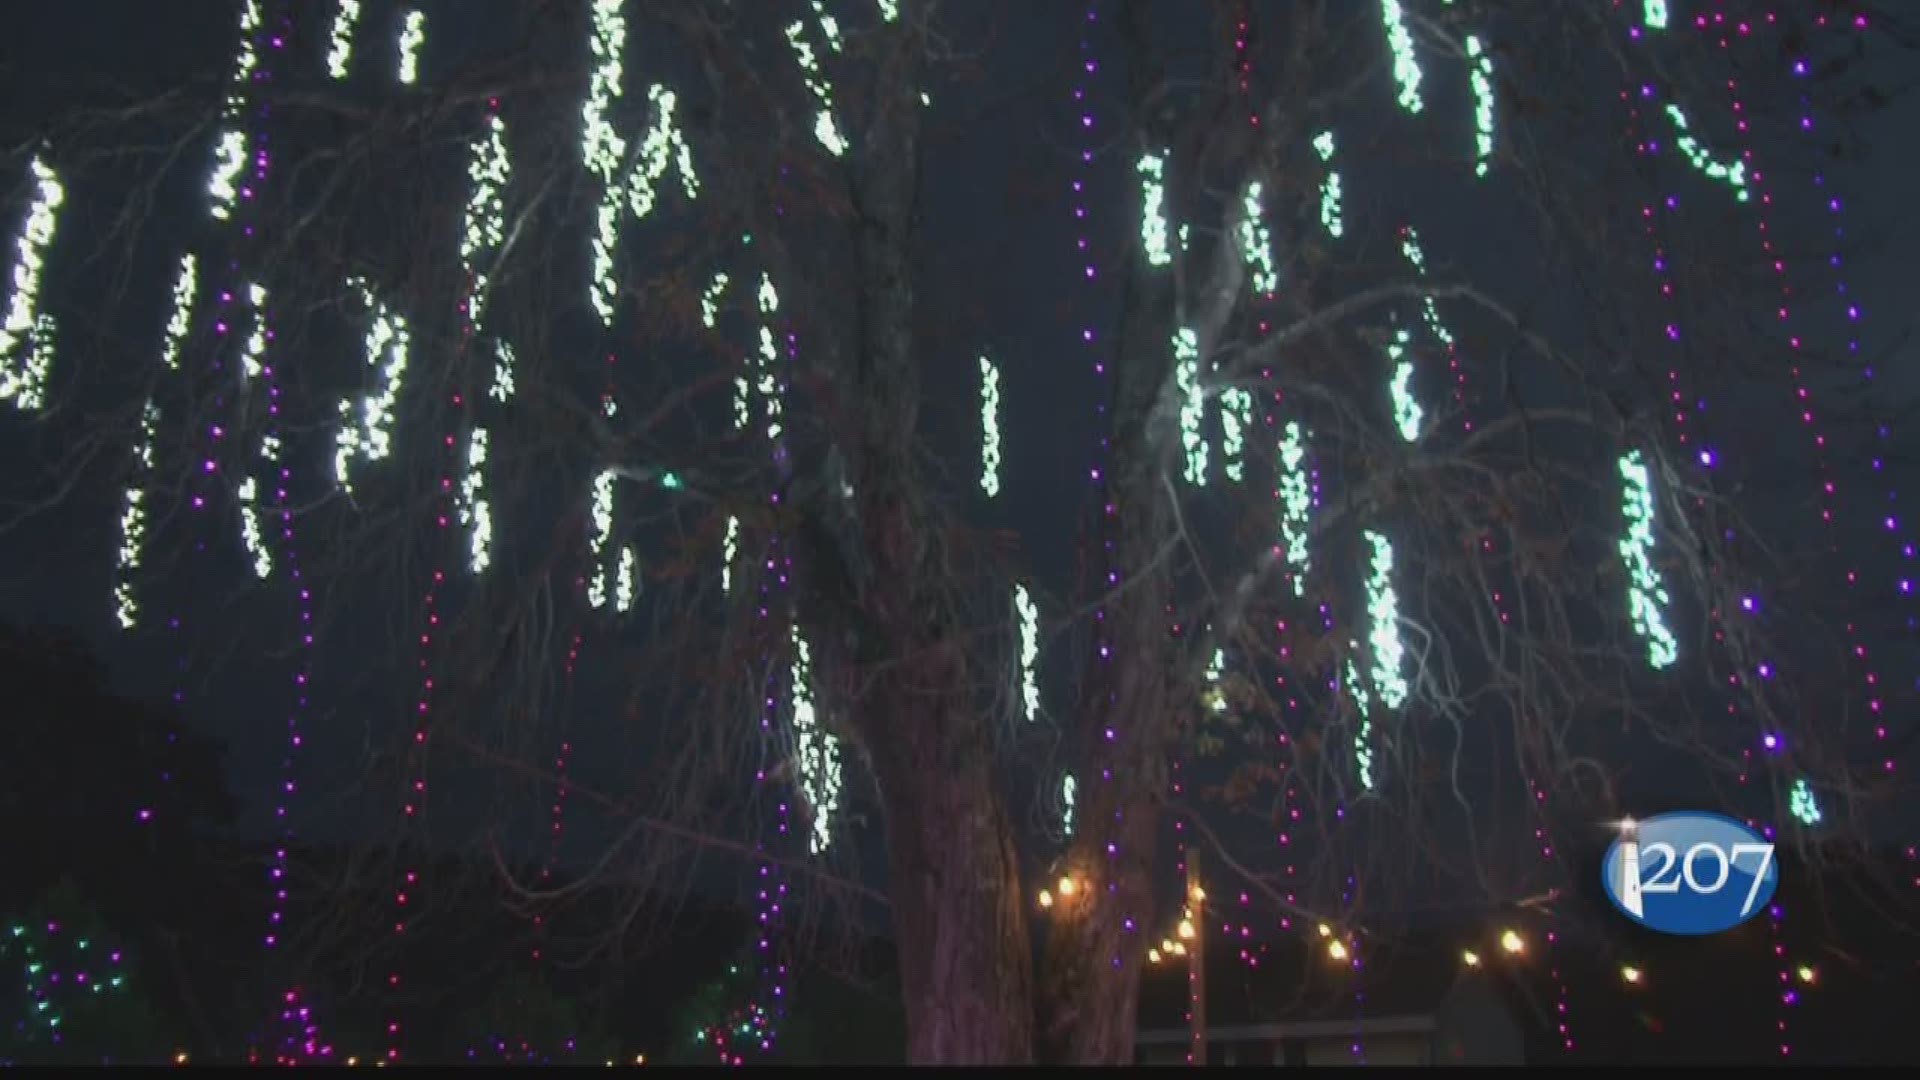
(1765, 851)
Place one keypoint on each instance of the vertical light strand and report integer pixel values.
(1406, 65)
(825, 128)
(989, 428)
(26, 329)
(133, 512)
(413, 38)
(1028, 614)
(1332, 216)
(1646, 591)
(230, 153)
(1481, 77)
(340, 38)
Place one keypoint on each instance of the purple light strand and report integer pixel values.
(1094, 349)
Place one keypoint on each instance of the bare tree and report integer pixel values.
(1301, 409)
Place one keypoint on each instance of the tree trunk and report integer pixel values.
(960, 918)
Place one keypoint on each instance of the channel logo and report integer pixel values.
(1689, 873)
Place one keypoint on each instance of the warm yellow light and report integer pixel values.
(1806, 974)
(1153, 956)
(1631, 974)
(639, 1059)
(1186, 930)
(1198, 894)
(181, 1057)
(1470, 958)
(1179, 949)
(1046, 898)
(1325, 930)
(1337, 948)
(1066, 886)
(353, 1061)
(1513, 943)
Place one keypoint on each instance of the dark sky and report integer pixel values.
(1001, 136)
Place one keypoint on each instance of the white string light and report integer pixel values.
(729, 551)
(475, 513)
(1066, 804)
(1193, 403)
(1653, 14)
(1153, 217)
(1646, 593)
(889, 10)
(626, 584)
(824, 128)
(133, 520)
(1406, 67)
(663, 147)
(1406, 409)
(601, 147)
(502, 387)
(1482, 79)
(1256, 243)
(340, 38)
(817, 752)
(230, 153)
(602, 514)
(1215, 697)
(710, 300)
(1801, 803)
(1330, 215)
(1363, 734)
(252, 365)
(486, 228)
(1734, 175)
(413, 36)
(1029, 615)
(769, 382)
(989, 428)
(24, 382)
(370, 437)
(1296, 503)
(1236, 419)
(1383, 609)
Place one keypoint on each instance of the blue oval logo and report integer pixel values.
(1689, 873)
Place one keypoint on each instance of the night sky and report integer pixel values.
(997, 257)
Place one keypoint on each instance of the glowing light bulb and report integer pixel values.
(1631, 974)
(1470, 958)
(1512, 942)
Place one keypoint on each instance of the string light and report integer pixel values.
(1802, 804)
(1029, 616)
(340, 38)
(602, 517)
(1512, 942)
(1257, 243)
(1406, 67)
(1406, 409)
(413, 37)
(1653, 14)
(1296, 504)
(989, 428)
(1330, 208)
(1153, 218)
(133, 515)
(817, 752)
(1383, 608)
(889, 10)
(25, 326)
(1436, 326)
(252, 358)
(663, 147)
(824, 127)
(1363, 733)
(1698, 156)
(475, 513)
(1482, 79)
(601, 147)
(1646, 592)
(488, 170)
(1193, 404)
(386, 349)
(1066, 804)
(230, 153)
